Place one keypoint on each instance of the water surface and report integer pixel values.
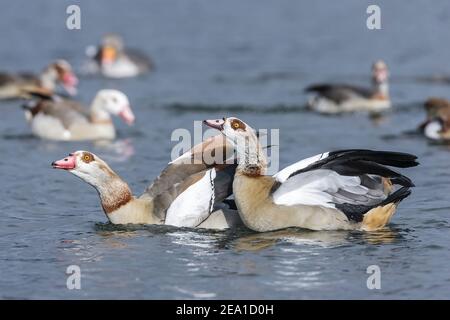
(249, 59)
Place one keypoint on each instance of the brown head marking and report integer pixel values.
(237, 124)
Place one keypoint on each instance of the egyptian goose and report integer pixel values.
(437, 124)
(347, 189)
(339, 98)
(113, 60)
(55, 118)
(186, 194)
(14, 86)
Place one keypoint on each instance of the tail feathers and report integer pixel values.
(380, 216)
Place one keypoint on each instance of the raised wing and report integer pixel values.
(201, 157)
(184, 180)
(286, 172)
(353, 181)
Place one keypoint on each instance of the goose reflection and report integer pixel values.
(116, 151)
(327, 239)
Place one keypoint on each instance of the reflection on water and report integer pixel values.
(210, 69)
(328, 239)
(243, 239)
(260, 241)
(116, 151)
(378, 119)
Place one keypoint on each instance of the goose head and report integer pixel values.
(62, 72)
(85, 165)
(111, 46)
(437, 111)
(113, 191)
(380, 72)
(437, 107)
(233, 128)
(242, 137)
(114, 102)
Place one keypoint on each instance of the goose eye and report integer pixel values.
(87, 157)
(237, 124)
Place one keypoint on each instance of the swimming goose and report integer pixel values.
(437, 124)
(347, 189)
(338, 98)
(13, 85)
(186, 194)
(62, 119)
(113, 60)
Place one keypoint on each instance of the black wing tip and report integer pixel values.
(397, 196)
(356, 212)
(403, 181)
(389, 158)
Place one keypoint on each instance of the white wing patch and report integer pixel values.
(432, 130)
(316, 188)
(195, 204)
(122, 68)
(286, 172)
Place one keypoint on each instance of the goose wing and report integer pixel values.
(339, 93)
(142, 60)
(189, 187)
(67, 112)
(352, 181)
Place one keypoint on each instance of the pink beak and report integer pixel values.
(127, 115)
(68, 163)
(216, 124)
(70, 82)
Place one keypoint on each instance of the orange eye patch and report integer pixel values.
(237, 124)
(87, 157)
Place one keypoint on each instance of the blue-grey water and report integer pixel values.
(246, 58)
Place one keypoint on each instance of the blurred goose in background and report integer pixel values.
(339, 98)
(113, 60)
(340, 190)
(13, 86)
(55, 118)
(187, 193)
(437, 124)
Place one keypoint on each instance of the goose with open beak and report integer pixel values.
(340, 98)
(54, 118)
(188, 193)
(339, 190)
(14, 86)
